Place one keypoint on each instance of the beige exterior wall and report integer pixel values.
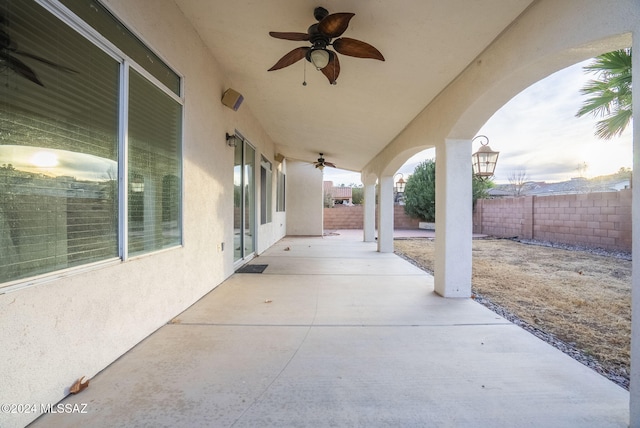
(304, 199)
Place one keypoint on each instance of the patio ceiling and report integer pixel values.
(426, 44)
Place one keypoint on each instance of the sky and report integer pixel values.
(538, 133)
(55, 162)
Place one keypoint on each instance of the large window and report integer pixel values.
(154, 167)
(62, 146)
(266, 180)
(280, 192)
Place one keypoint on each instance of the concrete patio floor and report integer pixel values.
(334, 333)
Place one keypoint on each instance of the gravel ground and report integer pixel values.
(624, 255)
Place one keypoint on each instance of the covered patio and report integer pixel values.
(337, 330)
(334, 333)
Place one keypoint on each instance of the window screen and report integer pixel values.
(266, 178)
(154, 167)
(94, 14)
(58, 146)
(280, 192)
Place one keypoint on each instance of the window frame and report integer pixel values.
(126, 64)
(281, 183)
(266, 191)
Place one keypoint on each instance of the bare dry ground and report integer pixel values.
(582, 299)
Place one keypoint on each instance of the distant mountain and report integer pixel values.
(604, 183)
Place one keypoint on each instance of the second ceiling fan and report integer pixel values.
(321, 163)
(329, 26)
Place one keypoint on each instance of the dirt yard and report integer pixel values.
(580, 298)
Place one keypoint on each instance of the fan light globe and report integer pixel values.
(319, 58)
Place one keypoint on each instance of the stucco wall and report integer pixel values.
(74, 323)
(304, 211)
(591, 219)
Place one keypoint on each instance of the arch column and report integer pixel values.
(634, 381)
(452, 269)
(385, 214)
(369, 213)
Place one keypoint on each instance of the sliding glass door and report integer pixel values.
(244, 200)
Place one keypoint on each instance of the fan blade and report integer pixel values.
(353, 47)
(331, 164)
(298, 37)
(292, 57)
(19, 67)
(46, 61)
(335, 24)
(332, 69)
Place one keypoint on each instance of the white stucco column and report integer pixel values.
(304, 200)
(452, 270)
(634, 384)
(369, 220)
(385, 215)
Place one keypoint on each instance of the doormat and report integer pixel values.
(252, 269)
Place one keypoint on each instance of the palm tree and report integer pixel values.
(610, 94)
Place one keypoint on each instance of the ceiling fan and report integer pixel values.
(321, 163)
(320, 36)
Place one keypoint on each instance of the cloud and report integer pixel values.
(67, 163)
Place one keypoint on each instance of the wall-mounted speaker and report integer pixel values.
(232, 99)
(279, 158)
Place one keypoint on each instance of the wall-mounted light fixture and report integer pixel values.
(232, 99)
(484, 160)
(232, 140)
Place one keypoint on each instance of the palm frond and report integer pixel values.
(613, 126)
(610, 94)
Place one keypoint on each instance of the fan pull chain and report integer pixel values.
(335, 79)
(304, 80)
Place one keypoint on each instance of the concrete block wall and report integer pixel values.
(353, 218)
(402, 221)
(504, 217)
(591, 219)
(344, 218)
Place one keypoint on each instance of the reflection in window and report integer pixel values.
(280, 192)
(58, 149)
(154, 167)
(266, 179)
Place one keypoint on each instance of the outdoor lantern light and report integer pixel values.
(232, 140)
(484, 160)
(398, 189)
(400, 184)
